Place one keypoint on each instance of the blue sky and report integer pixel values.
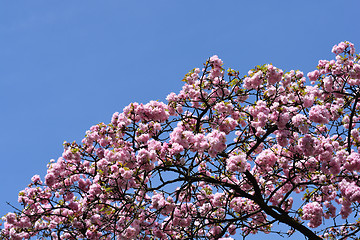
(67, 65)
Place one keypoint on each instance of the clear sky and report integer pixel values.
(67, 65)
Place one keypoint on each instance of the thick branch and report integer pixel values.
(282, 216)
(257, 198)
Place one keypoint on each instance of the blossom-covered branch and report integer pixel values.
(226, 156)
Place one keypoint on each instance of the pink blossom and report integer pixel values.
(274, 74)
(314, 75)
(219, 200)
(36, 179)
(266, 159)
(350, 191)
(283, 120)
(340, 48)
(254, 81)
(236, 163)
(50, 179)
(216, 140)
(328, 83)
(352, 162)
(319, 114)
(228, 125)
(11, 218)
(200, 143)
(307, 145)
(313, 212)
(301, 122)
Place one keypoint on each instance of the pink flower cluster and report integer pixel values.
(352, 162)
(312, 211)
(254, 81)
(266, 160)
(237, 163)
(340, 48)
(314, 75)
(319, 114)
(274, 74)
(307, 145)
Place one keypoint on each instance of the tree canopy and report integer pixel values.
(226, 156)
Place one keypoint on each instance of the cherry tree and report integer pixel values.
(227, 156)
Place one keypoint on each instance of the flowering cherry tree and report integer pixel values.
(227, 156)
